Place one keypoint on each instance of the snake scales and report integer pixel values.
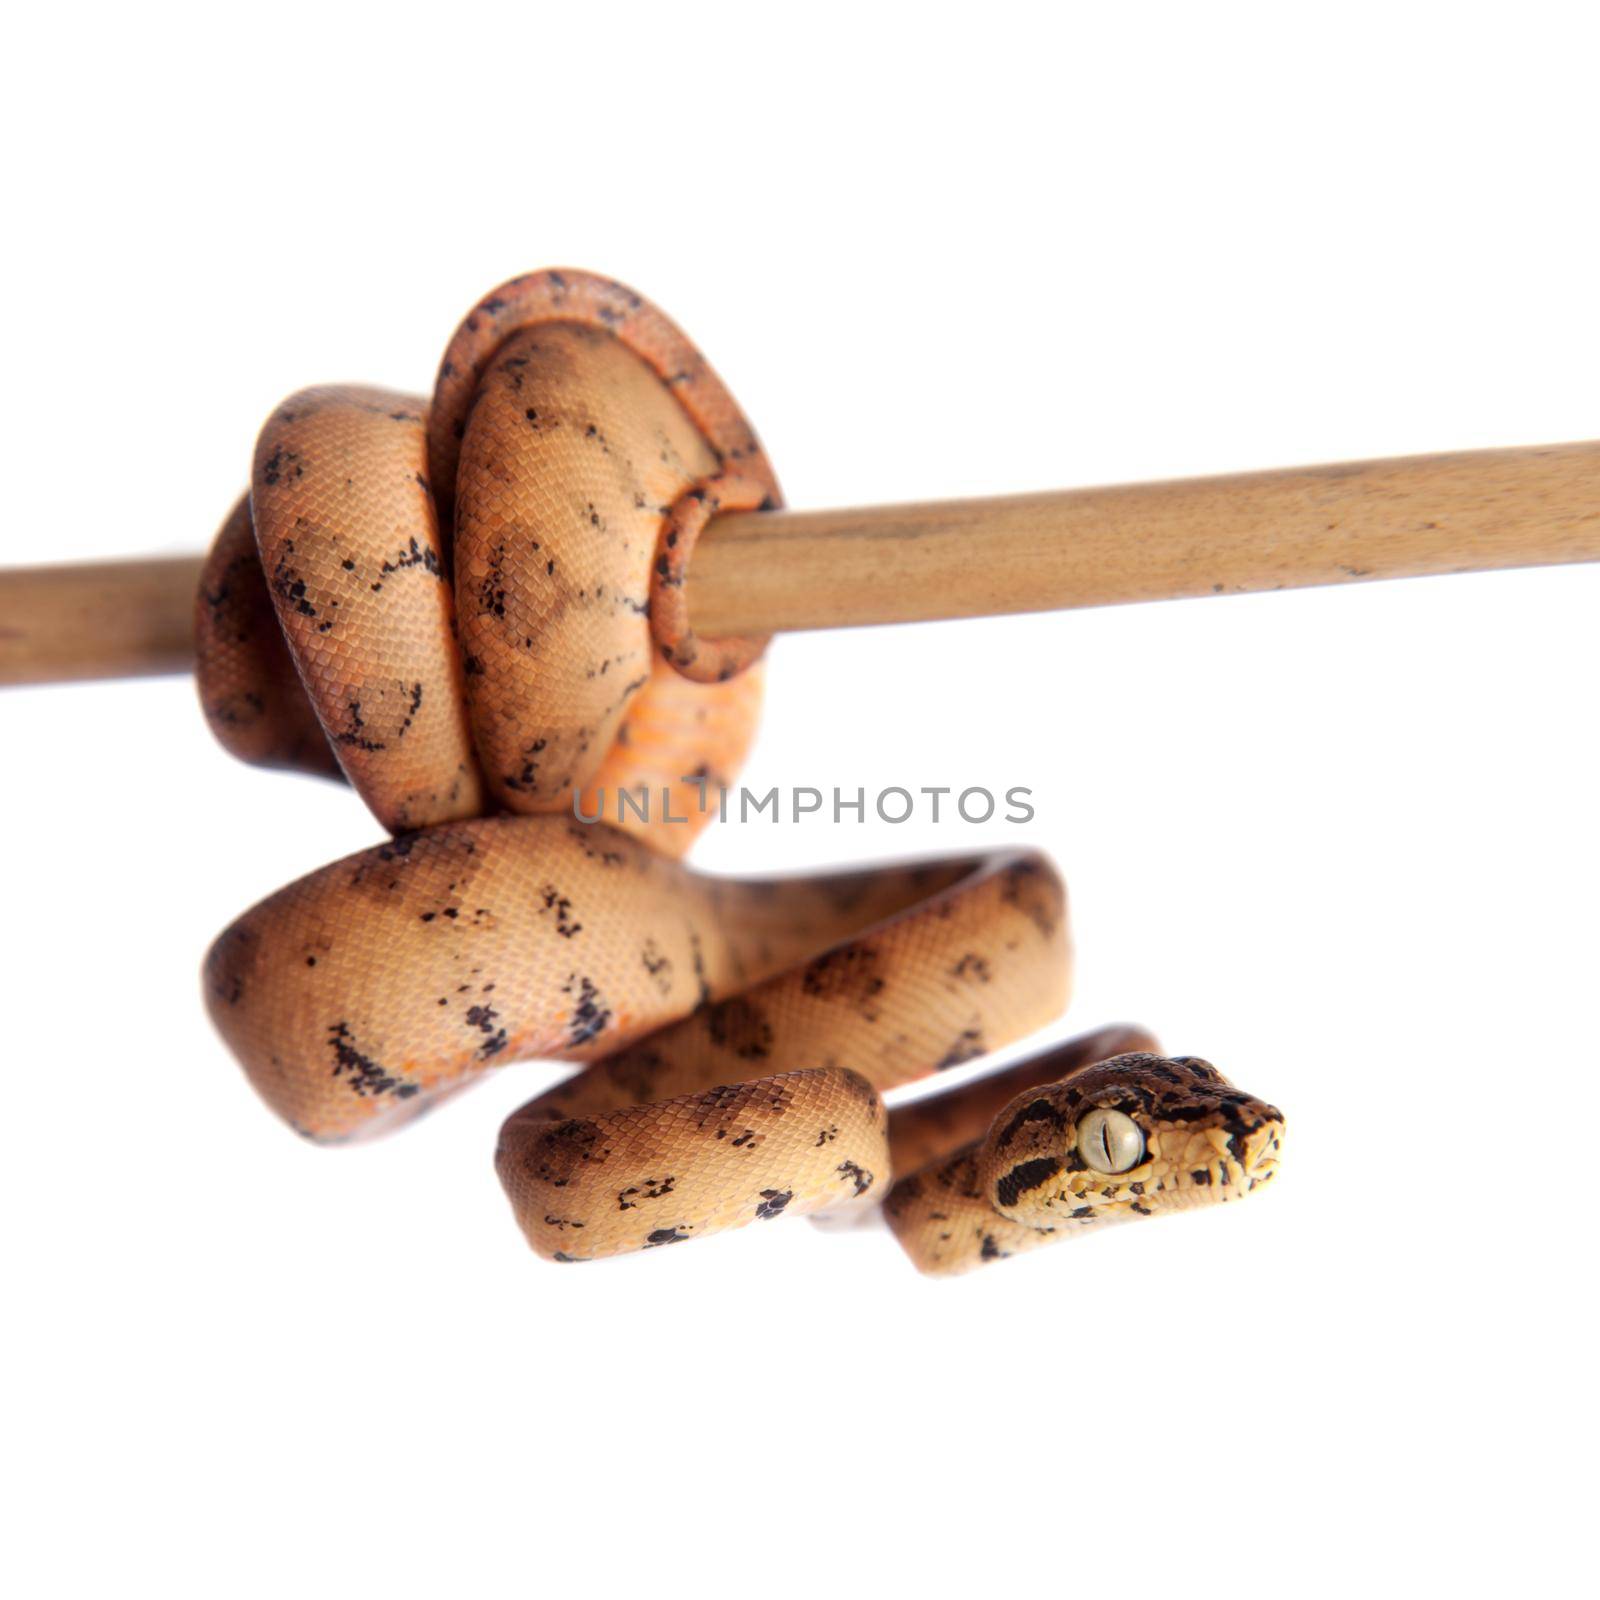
(471, 608)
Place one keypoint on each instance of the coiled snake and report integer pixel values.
(472, 609)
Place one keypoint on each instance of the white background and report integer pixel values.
(1341, 842)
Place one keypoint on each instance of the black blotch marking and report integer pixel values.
(356, 736)
(649, 1189)
(968, 1045)
(1025, 1175)
(850, 975)
(1028, 888)
(364, 1075)
(559, 1151)
(590, 1014)
(741, 1027)
(859, 1176)
(558, 903)
(484, 1018)
(1034, 1111)
(282, 463)
(659, 966)
(416, 555)
(288, 585)
(527, 780)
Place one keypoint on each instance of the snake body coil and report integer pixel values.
(472, 609)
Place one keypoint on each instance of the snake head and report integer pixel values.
(1133, 1136)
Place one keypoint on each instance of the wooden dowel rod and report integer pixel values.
(113, 619)
(784, 571)
(754, 573)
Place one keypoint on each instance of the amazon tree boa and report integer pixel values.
(471, 608)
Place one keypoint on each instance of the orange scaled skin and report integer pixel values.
(473, 608)
(479, 596)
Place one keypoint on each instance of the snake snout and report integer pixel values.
(1257, 1145)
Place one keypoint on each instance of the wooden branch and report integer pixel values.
(783, 571)
(778, 572)
(115, 619)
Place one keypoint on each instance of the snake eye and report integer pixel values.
(1110, 1141)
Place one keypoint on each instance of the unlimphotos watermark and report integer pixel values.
(892, 805)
